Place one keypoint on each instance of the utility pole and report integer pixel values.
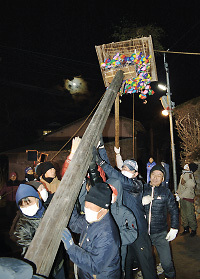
(171, 125)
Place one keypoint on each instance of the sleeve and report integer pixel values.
(65, 165)
(119, 161)
(76, 222)
(95, 261)
(24, 233)
(103, 154)
(173, 210)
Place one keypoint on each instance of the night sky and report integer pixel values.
(44, 42)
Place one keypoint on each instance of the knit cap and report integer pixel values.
(160, 168)
(193, 167)
(100, 194)
(27, 169)
(43, 168)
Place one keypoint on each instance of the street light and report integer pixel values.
(166, 101)
(165, 112)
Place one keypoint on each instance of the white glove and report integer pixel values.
(117, 150)
(177, 197)
(147, 199)
(75, 143)
(171, 234)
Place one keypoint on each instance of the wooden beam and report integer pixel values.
(44, 246)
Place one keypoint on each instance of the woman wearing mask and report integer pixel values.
(31, 213)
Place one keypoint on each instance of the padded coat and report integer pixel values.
(162, 203)
(98, 251)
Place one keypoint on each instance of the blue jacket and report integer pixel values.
(123, 216)
(162, 203)
(149, 167)
(132, 192)
(98, 249)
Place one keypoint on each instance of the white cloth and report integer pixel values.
(171, 234)
(177, 197)
(119, 161)
(147, 199)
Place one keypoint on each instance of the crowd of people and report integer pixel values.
(116, 220)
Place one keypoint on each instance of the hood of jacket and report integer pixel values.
(117, 184)
(24, 191)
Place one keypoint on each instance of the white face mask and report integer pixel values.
(127, 174)
(90, 215)
(30, 210)
(44, 194)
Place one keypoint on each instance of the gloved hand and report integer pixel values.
(75, 143)
(171, 234)
(177, 197)
(147, 199)
(97, 157)
(67, 239)
(117, 150)
(100, 143)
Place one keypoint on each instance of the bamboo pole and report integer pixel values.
(44, 246)
(133, 127)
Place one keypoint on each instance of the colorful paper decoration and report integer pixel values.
(141, 83)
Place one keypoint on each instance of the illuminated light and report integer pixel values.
(165, 112)
(162, 87)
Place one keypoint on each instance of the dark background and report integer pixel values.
(44, 42)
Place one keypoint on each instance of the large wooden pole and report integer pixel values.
(44, 246)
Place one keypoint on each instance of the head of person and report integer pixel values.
(47, 171)
(97, 202)
(29, 174)
(157, 175)
(13, 176)
(43, 193)
(193, 167)
(130, 168)
(11, 268)
(28, 201)
(151, 160)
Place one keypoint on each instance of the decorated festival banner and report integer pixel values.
(136, 58)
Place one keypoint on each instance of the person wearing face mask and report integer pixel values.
(185, 194)
(140, 249)
(97, 254)
(158, 201)
(29, 175)
(47, 175)
(31, 212)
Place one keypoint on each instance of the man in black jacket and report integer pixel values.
(158, 201)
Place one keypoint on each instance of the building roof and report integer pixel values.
(55, 140)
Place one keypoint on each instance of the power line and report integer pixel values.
(178, 52)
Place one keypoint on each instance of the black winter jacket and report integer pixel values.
(162, 203)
